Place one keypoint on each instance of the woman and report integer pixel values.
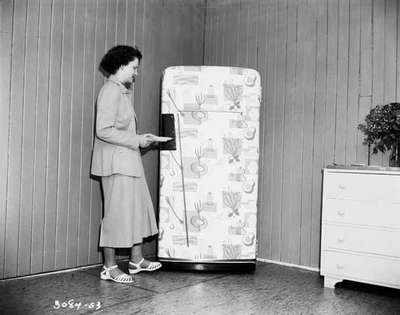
(128, 210)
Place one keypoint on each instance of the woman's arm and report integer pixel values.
(107, 106)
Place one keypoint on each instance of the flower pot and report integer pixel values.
(394, 158)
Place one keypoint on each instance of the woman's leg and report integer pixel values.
(109, 256)
(136, 253)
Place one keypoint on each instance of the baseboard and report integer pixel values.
(48, 273)
(288, 264)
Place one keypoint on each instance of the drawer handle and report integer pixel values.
(342, 187)
(340, 239)
(340, 267)
(340, 213)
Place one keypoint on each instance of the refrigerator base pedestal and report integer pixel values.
(228, 266)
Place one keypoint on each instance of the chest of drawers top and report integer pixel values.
(362, 197)
(360, 184)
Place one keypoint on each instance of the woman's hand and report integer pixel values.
(145, 140)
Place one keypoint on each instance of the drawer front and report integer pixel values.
(361, 186)
(359, 267)
(371, 213)
(381, 242)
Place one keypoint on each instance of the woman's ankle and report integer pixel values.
(109, 264)
(135, 259)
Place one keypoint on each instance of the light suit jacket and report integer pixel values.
(116, 144)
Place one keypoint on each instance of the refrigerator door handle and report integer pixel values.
(167, 129)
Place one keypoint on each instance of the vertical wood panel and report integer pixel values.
(252, 48)
(277, 68)
(230, 42)
(390, 43)
(309, 45)
(342, 80)
(290, 214)
(187, 35)
(130, 22)
(96, 210)
(121, 20)
(265, 155)
(319, 125)
(198, 47)
(390, 51)
(39, 183)
(241, 34)
(6, 21)
(149, 108)
(139, 37)
(88, 104)
(28, 132)
(353, 81)
(365, 98)
(111, 29)
(332, 70)
(209, 27)
(15, 136)
(222, 35)
(64, 135)
(274, 218)
(53, 122)
(75, 134)
(378, 60)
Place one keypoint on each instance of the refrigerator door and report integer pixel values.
(208, 180)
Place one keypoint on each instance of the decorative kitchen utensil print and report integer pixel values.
(170, 202)
(232, 201)
(233, 93)
(231, 251)
(233, 147)
(198, 221)
(210, 152)
(198, 166)
(209, 204)
(186, 79)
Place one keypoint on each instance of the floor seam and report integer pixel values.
(128, 285)
(155, 292)
(190, 285)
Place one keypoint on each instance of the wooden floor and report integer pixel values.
(272, 289)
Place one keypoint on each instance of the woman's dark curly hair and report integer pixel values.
(118, 56)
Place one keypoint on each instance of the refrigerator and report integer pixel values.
(208, 179)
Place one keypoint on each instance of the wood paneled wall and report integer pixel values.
(323, 63)
(50, 208)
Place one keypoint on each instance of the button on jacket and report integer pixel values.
(116, 144)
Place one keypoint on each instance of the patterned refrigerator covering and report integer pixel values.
(208, 185)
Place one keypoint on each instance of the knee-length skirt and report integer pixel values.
(128, 211)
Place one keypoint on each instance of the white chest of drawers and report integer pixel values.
(360, 232)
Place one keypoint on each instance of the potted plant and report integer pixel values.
(382, 131)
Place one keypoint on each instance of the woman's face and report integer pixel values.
(127, 73)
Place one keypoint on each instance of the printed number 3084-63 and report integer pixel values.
(75, 305)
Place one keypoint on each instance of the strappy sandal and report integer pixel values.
(121, 278)
(135, 268)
